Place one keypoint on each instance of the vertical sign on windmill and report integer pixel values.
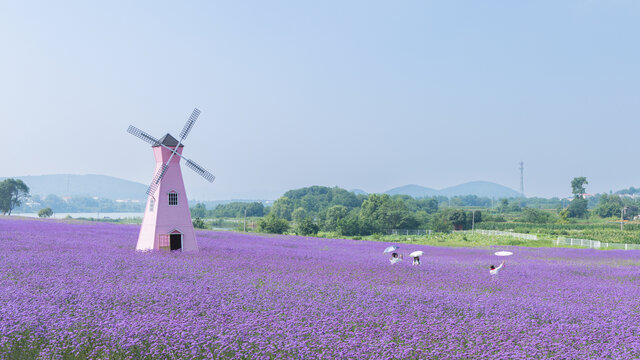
(167, 219)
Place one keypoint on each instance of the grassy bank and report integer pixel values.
(451, 240)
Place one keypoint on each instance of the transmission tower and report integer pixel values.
(522, 178)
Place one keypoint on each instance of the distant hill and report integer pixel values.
(110, 187)
(107, 187)
(481, 189)
(413, 190)
(478, 188)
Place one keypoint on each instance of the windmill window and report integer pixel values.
(173, 198)
(152, 203)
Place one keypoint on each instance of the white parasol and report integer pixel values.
(503, 253)
(391, 249)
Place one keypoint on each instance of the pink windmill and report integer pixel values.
(167, 220)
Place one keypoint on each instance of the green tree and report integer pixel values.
(609, 206)
(473, 217)
(299, 214)
(273, 224)
(45, 213)
(477, 216)
(12, 193)
(282, 208)
(563, 216)
(631, 211)
(373, 210)
(311, 203)
(317, 199)
(237, 209)
(199, 211)
(440, 223)
(458, 218)
(422, 218)
(307, 227)
(407, 220)
(577, 186)
(352, 225)
(503, 206)
(577, 208)
(384, 213)
(333, 215)
(430, 205)
(535, 216)
(514, 206)
(255, 209)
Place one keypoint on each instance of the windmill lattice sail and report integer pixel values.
(142, 135)
(200, 170)
(156, 179)
(187, 127)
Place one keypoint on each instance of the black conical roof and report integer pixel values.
(169, 140)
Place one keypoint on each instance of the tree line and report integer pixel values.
(80, 204)
(230, 210)
(14, 193)
(318, 208)
(336, 210)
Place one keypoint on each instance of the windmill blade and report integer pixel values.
(200, 170)
(142, 135)
(156, 179)
(187, 127)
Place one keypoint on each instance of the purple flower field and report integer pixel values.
(81, 291)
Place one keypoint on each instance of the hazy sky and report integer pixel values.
(358, 94)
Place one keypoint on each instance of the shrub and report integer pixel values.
(530, 215)
(273, 224)
(45, 213)
(198, 223)
(307, 227)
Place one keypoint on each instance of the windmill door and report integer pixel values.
(175, 240)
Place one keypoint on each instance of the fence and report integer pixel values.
(409, 232)
(506, 233)
(484, 232)
(593, 244)
(511, 226)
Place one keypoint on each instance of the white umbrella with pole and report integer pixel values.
(391, 249)
(503, 253)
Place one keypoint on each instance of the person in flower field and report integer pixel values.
(395, 258)
(493, 271)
